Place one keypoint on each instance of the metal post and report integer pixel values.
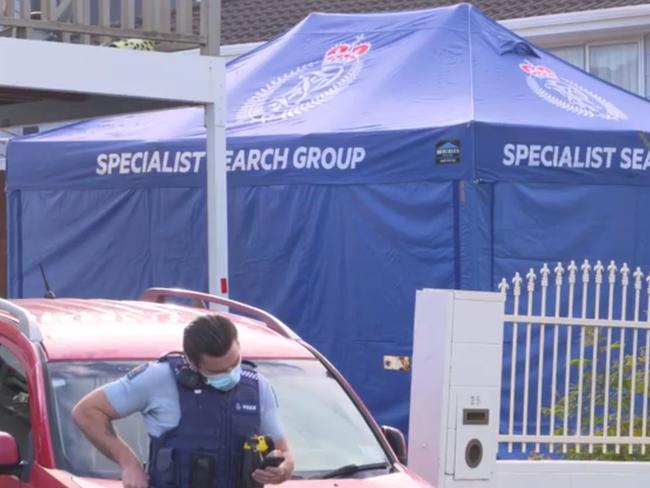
(211, 18)
(216, 187)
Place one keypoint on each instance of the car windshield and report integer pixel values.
(325, 429)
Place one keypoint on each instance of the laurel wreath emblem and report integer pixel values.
(597, 106)
(255, 108)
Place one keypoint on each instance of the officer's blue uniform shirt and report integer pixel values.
(153, 392)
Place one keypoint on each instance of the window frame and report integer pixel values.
(26, 461)
(639, 40)
(641, 50)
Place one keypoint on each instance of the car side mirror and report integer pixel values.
(9, 458)
(397, 442)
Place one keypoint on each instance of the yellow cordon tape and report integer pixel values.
(137, 44)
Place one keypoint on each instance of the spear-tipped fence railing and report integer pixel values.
(576, 379)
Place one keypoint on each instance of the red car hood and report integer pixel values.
(395, 480)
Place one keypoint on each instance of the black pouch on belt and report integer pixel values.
(252, 460)
(164, 466)
(203, 471)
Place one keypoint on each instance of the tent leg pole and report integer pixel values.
(216, 187)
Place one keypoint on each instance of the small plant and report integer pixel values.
(604, 419)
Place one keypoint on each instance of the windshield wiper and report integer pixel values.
(351, 469)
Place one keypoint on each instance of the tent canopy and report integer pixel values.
(396, 87)
(368, 156)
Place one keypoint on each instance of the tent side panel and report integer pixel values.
(341, 265)
(92, 243)
(178, 245)
(475, 238)
(14, 244)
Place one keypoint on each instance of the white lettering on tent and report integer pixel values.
(184, 164)
(300, 158)
(125, 163)
(268, 159)
(573, 157)
(281, 159)
(145, 162)
(154, 162)
(635, 158)
(102, 164)
(254, 157)
(135, 167)
(508, 155)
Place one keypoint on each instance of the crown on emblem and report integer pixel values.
(538, 71)
(346, 53)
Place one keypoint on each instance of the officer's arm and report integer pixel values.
(282, 445)
(94, 415)
(272, 426)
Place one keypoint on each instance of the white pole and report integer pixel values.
(586, 267)
(544, 272)
(610, 315)
(216, 187)
(598, 270)
(531, 277)
(625, 271)
(513, 360)
(638, 284)
(215, 126)
(559, 271)
(572, 268)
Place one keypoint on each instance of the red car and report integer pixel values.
(54, 351)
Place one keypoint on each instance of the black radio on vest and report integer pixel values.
(256, 456)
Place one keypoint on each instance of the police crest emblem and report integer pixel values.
(307, 86)
(568, 95)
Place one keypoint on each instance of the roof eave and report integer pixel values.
(576, 27)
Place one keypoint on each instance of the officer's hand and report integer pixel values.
(274, 476)
(133, 476)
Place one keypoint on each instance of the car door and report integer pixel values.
(14, 414)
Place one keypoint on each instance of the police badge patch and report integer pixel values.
(137, 370)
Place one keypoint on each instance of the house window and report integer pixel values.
(619, 63)
(572, 54)
(616, 63)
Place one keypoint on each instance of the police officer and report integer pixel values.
(199, 409)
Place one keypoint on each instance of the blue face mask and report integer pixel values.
(225, 381)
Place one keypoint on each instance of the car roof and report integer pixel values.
(97, 329)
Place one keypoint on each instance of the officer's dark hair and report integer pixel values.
(212, 335)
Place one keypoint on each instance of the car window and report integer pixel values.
(71, 381)
(14, 402)
(324, 427)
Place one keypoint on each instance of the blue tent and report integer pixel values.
(369, 156)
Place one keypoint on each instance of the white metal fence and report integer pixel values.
(181, 23)
(576, 363)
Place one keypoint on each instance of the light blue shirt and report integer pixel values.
(152, 391)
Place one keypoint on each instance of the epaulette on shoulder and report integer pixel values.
(176, 361)
(171, 355)
(250, 374)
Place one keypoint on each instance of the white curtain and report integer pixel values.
(616, 63)
(647, 66)
(572, 54)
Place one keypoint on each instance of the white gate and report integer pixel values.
(596, 339)
(572, 379)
